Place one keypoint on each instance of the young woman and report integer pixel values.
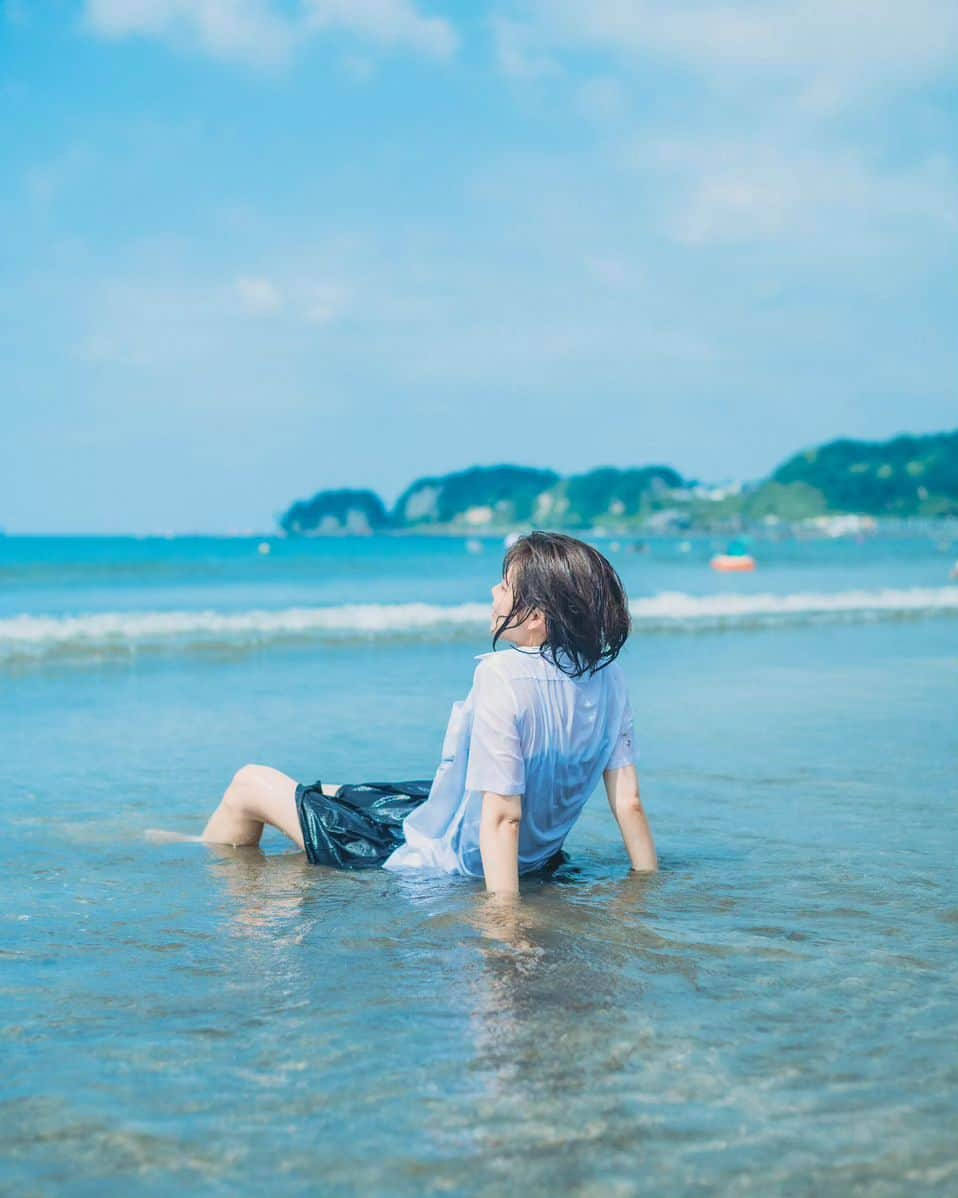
(521, 754)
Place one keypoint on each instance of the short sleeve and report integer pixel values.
(495, 752)
(624, 751)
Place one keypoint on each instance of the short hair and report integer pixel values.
(579, 593)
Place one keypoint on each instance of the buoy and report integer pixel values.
(263, 547)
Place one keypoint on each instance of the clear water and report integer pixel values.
(776, 1011)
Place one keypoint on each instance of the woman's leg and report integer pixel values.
(257, 795)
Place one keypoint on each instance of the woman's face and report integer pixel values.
(530, 632)
(502, 605)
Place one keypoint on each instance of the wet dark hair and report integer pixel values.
(578, 592)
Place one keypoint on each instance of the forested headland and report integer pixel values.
(908, 476)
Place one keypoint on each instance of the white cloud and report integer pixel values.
(324, 303)
(258, 295)
(156, 315)
(518, 50)
(742, 190)
(358, 68)
(737, 207)
(762, 148)
(45, 181)
(852, 41)
(610, 271)
(148, 323)
(602, 99)
(247, 30)
(265, 32)
(388, 22)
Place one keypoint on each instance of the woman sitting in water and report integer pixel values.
(521, 754)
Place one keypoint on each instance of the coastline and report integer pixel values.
(939, 527)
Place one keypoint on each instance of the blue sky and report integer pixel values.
(254, 249)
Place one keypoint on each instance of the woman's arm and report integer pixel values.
(499, 841)
(622, 787)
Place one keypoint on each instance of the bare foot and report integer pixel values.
(162, 836)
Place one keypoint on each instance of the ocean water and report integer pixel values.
(774, 1012)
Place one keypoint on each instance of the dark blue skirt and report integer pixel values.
(359, 826)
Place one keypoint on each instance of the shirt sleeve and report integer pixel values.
(624, 750)
(495, 752)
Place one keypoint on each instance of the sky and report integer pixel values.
(254, 249)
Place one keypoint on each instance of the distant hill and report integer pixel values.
(344, 511)
(907, 476)
(491, 498)
(609, 494)
(477, 498)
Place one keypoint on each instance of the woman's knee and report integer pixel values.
(242, 791)
(259, 792)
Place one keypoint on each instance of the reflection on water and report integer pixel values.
(262, 893)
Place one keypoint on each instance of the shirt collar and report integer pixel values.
(529, 651)
(534, 649)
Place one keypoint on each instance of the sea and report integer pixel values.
(774, 1012)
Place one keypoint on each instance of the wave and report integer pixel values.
(127, 633)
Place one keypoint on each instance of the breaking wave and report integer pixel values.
(128, 633)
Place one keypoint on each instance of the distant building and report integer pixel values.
(842, 526)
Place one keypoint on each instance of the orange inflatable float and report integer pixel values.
(732, 562)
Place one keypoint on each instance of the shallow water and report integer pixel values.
(776, 1011)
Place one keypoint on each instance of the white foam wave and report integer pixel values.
(676, 606)
(103, 629)
(127, 632)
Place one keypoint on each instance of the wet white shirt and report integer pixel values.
(528, 729)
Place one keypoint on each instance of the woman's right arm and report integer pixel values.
(499, 842)
(622, 787)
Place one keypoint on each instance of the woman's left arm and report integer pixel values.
(499, 841)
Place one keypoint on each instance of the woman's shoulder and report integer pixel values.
(616, 676)
(495, 665)
(615, 672)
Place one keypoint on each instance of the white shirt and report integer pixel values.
(528, 729)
